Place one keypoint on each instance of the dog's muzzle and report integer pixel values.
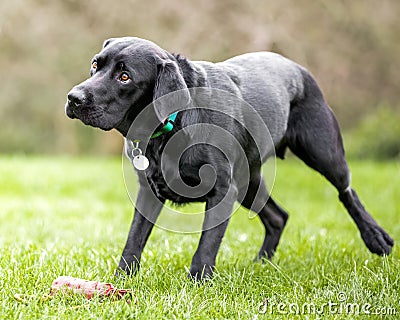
(75, 101)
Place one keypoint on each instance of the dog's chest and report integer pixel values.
(177, 180)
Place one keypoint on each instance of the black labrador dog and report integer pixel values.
(130, 74)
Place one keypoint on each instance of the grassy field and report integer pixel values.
(70, 216)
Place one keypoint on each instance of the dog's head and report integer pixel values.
(127, 75)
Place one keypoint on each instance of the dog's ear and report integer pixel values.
(172, 87)
(107, 42)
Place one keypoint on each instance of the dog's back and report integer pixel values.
(279, 82)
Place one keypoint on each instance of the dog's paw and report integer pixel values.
(378, 241)
(263, 258)
(200, 274)
(120, 274)
(125, 269)
(266, 252)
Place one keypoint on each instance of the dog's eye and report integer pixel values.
(124, 77)
(94, 65)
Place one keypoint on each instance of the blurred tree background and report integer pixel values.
(352, 48)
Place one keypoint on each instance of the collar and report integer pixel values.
(168, 126)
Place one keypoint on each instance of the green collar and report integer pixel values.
(168, 126)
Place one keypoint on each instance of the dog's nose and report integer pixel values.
(75, 98)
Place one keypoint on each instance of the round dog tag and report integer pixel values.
(140, 162)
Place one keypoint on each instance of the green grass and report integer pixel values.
(70, 216)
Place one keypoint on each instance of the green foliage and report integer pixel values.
(376, 137)
(70, 216)
(46, 47)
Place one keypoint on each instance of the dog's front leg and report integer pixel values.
(148, 208)
(218, 212)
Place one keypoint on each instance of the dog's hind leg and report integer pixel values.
(272, 216)
(313, 135)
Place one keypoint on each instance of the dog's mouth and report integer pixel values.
(81, 111)
(90, 116)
